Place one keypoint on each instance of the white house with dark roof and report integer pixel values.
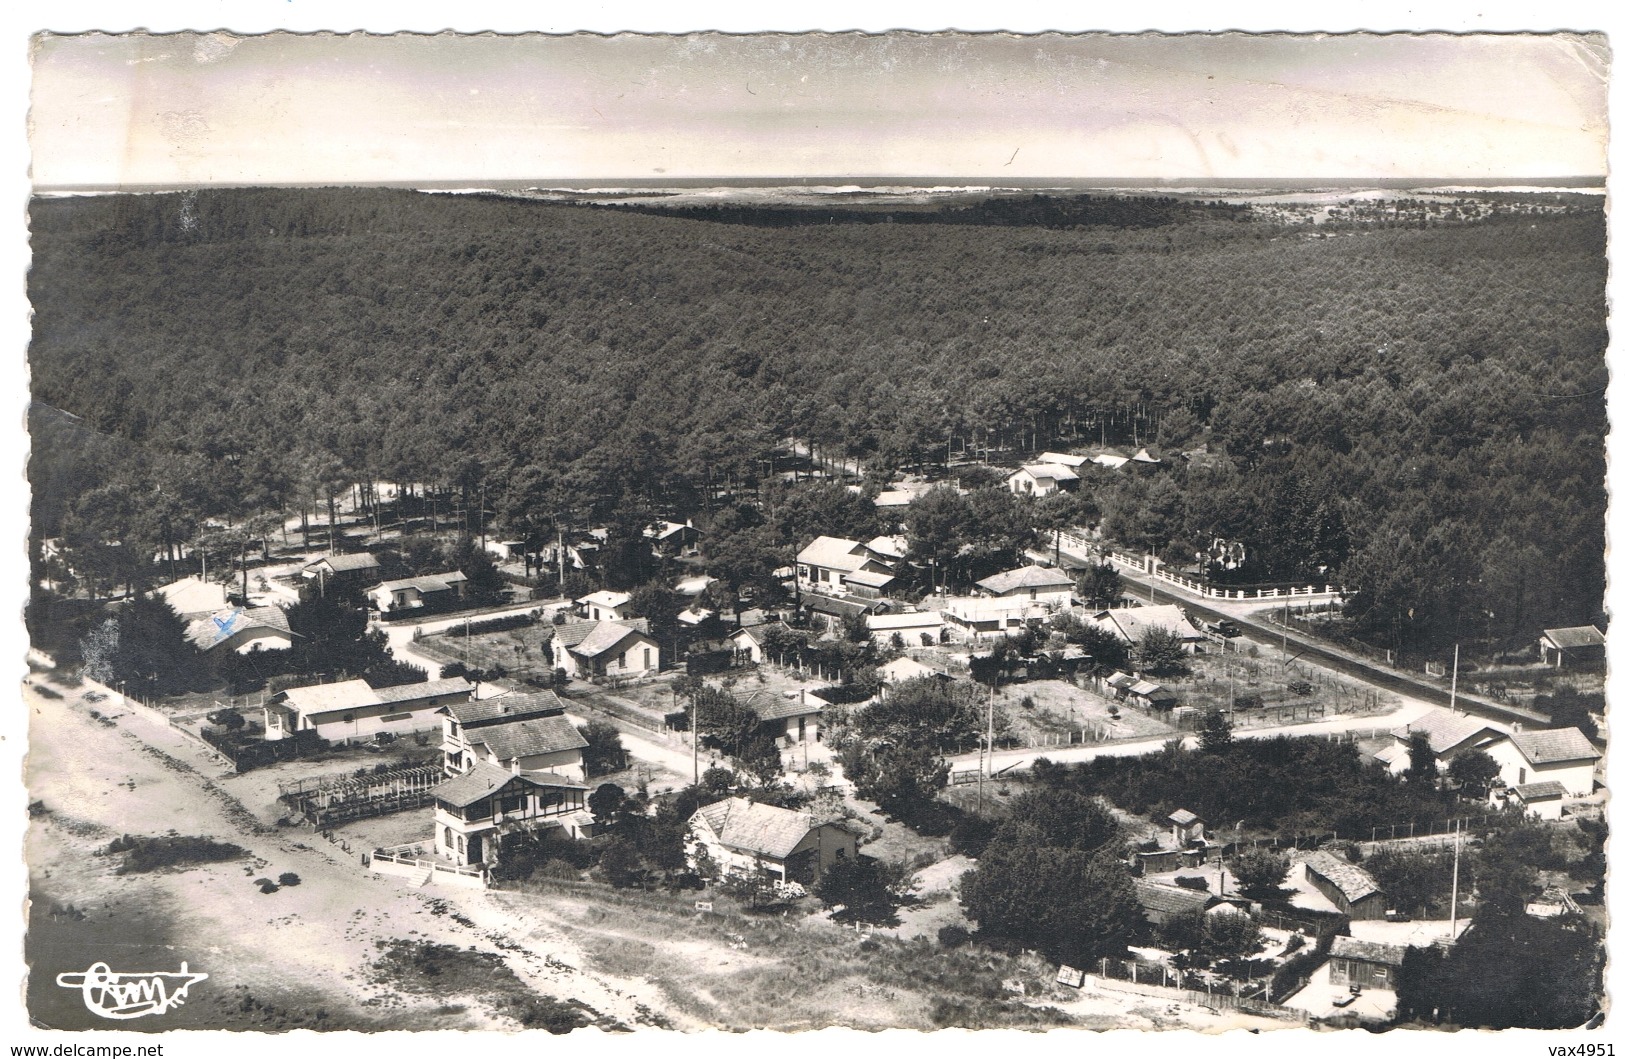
(1449, 735)
(737, 836)
(1543, 799)
(355, 711)
(1035, 584)
(416, 593)
(1576, 645)
(1558, 755)
(623, 649)
(1041, 479)
(605, 605)
(835, 566)
(355, 566)
(914, 629)
(1130, 624)
(193, 598)
(476, 809)
(516, 733)
(242, 629)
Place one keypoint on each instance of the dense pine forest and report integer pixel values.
(1419, 410)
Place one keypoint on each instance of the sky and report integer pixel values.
(218, 108)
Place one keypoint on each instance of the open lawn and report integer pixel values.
(1038, 708)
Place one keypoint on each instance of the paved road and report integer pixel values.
(1250, 619)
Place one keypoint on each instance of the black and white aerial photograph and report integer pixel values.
(648, 533)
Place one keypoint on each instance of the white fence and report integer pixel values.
(1145, 564)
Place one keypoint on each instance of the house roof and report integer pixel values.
(1053, 471)
(905, 668)
(1120, 680)
(1155, 897)
(574, 633)
(326, 698)
(504, 708)
(342, 564)
(870, 578)
(750, 827)
(771, 707)
(1027, 577)
(425, 583)
(1555, 745)
(1368, 951)
(1062, 459)
(834, 553)
(894, 546)
(1184, 817)
(921, 619)
(604, 637)
(665, 528)
(485, 779)
(1353, 880)
(606, 598)
(1537, 792)
(1133, 623)
(894, 498)
(1447, 730)
(427, 689)
(841, 608)
(529, 737)
(693, 586)
(191, 597)
(1576, 636)
(222, 625)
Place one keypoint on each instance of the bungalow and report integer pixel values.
(193, 598)
(242, 630)
(829, 611)
(670, 537)
(1130, 624)
(1449, 735)
(354, 711)
(827, 566)
(750, 641)
(357, 566)
(1062, 459)
(1366, 964)
(587, 649)
(1041, 479)
(1543, 799)
(1355, 986)
(1145, 457)
(1560, 755)
(517, 733)
(1110, 458)
(1151, 696)
(792, 717)
(901, 670)
(605, 606)
(694, 587)
(973, 617)
(889, 549)
(1160, 903)
(742, 837)
(476, 810)
(430, 591)
(1582, 644)
(1348, 886)
(915, 629)
(1052, 588)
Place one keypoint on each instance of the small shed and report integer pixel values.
(1577, 645)
(1161, 903)
(1543, 799)
(1366, 964)
(1188, 828)
(1350, 887)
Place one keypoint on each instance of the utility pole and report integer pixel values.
(694, 732)
(1455, 880)
(1454, 666)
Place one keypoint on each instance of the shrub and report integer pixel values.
(288, 878)
(150, 854)
(1191, 882)
(952, 936)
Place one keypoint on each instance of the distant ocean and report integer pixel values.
(826, 188)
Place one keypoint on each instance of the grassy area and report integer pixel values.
(740, 971)
(444, 971)
(170, 851)
(1049, 707)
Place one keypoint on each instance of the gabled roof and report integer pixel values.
(834, 553)
(1446, 731)
(1053, 471)
(606, 598)
(1554, 746)
(889, 548)
(343, 564)
(191, 597)
(841, 608)
(1184, 817)
(484, 780)
(222, 625)
(326, 698)
(504, 708)
(426, 583)
(1062, 459)
(527, 738)
(1542, 791)
(1576, 636)
(574, 633)
(693, 586)
(905, 668)
(604, 636)
(1354, 881)
(870, 578)
(665, 529)
(427, 689)
(755, 828)
(771, 707)
(1132, 623)
(1155, 897)
(923, 619)
(1369, 951)
(1027, 577)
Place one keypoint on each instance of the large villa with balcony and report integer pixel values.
(514, 733)
(475, 811)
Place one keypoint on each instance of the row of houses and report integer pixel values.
(1055, 472)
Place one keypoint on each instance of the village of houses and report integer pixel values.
(400, 802)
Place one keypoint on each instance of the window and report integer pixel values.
(513, 802)
(449, 839)
(621, 660)
(646, 664)
(1379, 974)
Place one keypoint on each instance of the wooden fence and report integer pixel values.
(1124, 978)
(340, 798)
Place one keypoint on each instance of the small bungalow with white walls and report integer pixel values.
(475, 810)
(1041, 479)
(974, 617)
(355, 711)
(588, 649)
(914, 629)
(828, 565)
(736, 836)
(1036, 584)
(518, 733)
(356, 566)
(416, 593)
(1543, 799)
(1449, 735)
(605, 605)
(792, 717)
(1559, 755)
(903, 669)
(242, 629)
(749, 641)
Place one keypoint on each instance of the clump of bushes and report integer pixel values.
(169, 851)
(288, 878)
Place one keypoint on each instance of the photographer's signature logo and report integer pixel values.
(130, 994)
